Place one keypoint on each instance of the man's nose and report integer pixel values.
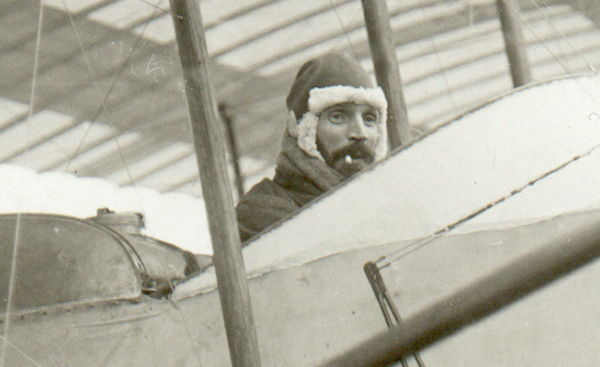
(357, 129)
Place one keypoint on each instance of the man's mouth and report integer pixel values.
(355, 154)
(350, 160)
(350, 164)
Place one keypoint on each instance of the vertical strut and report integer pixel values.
(383, 52)
(514, 42)
(216, 187)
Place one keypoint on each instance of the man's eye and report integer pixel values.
(337, 117)
(370, 119)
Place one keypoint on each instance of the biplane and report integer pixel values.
(474, 243)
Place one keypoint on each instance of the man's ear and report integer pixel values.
(292, 124)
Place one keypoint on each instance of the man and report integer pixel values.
(336, 127)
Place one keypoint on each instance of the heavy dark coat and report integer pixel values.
(298, 179)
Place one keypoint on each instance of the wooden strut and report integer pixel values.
(216, 187)
(387, 71)
(514, 42)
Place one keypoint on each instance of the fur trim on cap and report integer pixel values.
(322, 98)
(307, 134)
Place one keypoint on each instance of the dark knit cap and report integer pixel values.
(325, 71)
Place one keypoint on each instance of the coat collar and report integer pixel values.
(304, 176)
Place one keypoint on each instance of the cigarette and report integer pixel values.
(348, 159)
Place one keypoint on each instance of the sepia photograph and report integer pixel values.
(299, 183)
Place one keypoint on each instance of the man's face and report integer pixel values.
(347, 135)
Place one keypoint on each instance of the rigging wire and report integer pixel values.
(407, 250)
(155, 6)
(346, 34)
(11, 289)
(102, 107)
(36, 60)
(439, 62)
(15, 248)
(563, 36)
(187, 330)
(442, 231)
(5, 340)
(556, 58)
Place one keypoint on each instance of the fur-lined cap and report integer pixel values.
(325, 71)
(322, 98)
(326, 81)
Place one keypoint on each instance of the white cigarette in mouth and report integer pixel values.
(348, 159)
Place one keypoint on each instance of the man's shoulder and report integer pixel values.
(264, 189)
(264, 186)
(265, 204)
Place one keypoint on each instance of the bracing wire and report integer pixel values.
(187, 330)
(554, 56)
(13, 269)
(102, 106)
(18, 350)
(390, 259)
(11, 290)
(36, 60)
(155, 6)
(563, 36)
(387, 260)
(439, 62)
(538, 38)
(346, 35)
(407, 250)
